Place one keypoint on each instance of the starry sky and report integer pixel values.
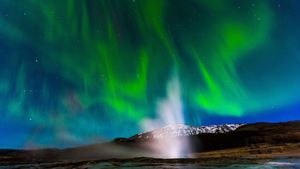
(76, 72)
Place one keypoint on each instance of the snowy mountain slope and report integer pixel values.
(184, 130)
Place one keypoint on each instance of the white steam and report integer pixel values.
(169, 111)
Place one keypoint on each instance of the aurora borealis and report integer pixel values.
(79, 71)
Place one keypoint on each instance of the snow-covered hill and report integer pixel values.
(184, 130)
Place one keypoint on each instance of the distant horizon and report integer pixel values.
(109, 140)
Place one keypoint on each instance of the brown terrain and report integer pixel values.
(251, 141)
(254, 151)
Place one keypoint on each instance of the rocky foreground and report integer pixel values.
(250, 143)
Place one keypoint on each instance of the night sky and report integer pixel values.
(75, 72)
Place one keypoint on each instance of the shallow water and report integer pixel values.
(277, 164)
(273, 164)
